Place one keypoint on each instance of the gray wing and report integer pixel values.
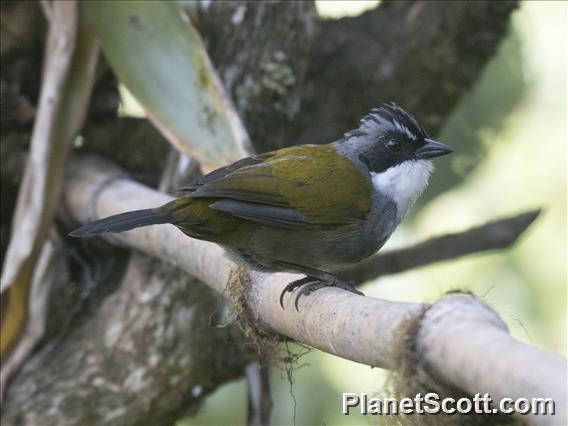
(281, 217)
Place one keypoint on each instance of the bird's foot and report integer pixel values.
(309, 285)
(293, 286)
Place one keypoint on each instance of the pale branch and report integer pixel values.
(458, 339)
(494, 235)
(71, 54)
(462, 342)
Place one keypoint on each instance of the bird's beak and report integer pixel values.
(432, 149)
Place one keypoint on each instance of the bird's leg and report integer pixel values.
(314, 280)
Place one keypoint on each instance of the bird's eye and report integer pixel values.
(393, 145)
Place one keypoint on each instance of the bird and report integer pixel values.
(306, 209)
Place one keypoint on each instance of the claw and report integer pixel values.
(310, 284)
(293, 286)
(307, 290)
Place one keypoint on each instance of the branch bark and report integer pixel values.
(464, 343)
(455, 332)
(266, 82)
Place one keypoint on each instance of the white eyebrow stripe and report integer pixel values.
(403, 129)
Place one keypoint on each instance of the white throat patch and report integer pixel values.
(403, 183)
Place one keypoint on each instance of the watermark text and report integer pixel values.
(432, 403)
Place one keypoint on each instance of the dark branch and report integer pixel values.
(259, 394)
(494, 235)
(261, 51)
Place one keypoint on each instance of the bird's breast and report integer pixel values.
(403, 183)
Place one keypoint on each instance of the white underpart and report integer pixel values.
(403, 183)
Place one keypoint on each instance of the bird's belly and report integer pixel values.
(321, 254)
(322, 250)
(328, 248)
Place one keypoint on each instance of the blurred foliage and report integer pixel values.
(518, 110)
(479, 118)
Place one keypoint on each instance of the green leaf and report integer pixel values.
(160, 57)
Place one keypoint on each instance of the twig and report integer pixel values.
(494, 235)
(47, 9)
(259, 396)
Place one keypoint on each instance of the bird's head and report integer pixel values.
(396, 151)
(389, 136)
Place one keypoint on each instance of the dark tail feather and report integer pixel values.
(123, 222)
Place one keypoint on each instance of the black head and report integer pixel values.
(388, 136)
